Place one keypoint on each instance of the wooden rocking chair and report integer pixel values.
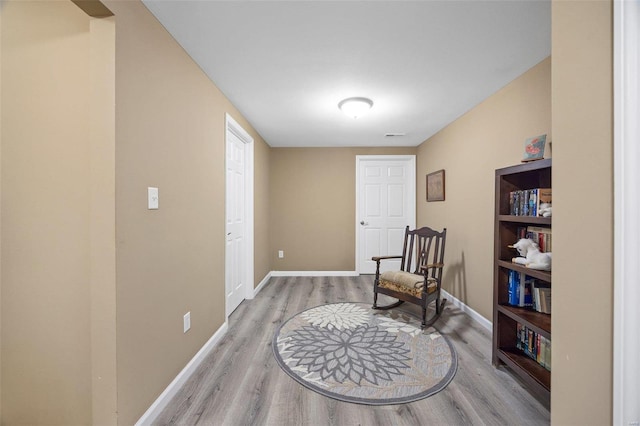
(420, 277)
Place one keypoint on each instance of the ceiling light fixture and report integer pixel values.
(355, 107)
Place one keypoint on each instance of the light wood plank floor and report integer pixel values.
(240, 383)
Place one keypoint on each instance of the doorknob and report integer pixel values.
(363, 223)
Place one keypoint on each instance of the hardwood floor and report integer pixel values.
(240, 382)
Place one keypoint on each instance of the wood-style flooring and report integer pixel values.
(240, 383)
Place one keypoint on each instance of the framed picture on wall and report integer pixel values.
(435, 186)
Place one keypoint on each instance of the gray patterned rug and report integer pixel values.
(353, 353)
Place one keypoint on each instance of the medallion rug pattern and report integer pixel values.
(353, 353)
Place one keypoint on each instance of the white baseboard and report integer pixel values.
(165, 397)
(467, 310)
(314, 274)
(260, 286)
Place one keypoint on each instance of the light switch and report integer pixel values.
(153, 198)
(186, 322)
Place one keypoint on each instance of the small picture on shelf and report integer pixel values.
(534, 148)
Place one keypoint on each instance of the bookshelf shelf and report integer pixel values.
(541, 275)
(536, 376)
(528, 220)
(508, 319)
(540, 323)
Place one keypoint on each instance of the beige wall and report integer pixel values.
(488, 137)
(312, 209)
(161, 125)
(170, 126)
(583, 213)
(261, 220)
(102, 251)
(46, 221)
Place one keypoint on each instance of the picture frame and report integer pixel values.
(534, 148)
(435, 186)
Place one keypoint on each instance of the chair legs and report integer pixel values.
(391, 306)
(375, 301)
(439, 305)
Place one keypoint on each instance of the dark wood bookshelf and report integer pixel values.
(536, 174)
(533, 374)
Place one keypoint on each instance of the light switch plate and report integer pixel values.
(186, 322)
(152, 194)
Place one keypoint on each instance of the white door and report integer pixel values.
(385, 205)
(238, 216)
(235, 222)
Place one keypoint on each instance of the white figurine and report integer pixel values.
(544, 210)
(530, 255)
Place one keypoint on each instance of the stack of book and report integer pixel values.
(520, 289)
(527, 202)
(534, 345)
(538, 234)
(541, 294)
(528, 292)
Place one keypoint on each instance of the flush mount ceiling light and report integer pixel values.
(355, 107)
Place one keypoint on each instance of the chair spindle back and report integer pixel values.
(422, 247)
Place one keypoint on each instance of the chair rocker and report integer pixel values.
(420, 277)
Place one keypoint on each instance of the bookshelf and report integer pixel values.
(526, 176)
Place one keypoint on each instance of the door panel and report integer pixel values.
(395, 202)
(372, 200)
(234, 283)
(385, 205)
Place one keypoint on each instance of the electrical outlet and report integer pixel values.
(280, 254)
(187, 321)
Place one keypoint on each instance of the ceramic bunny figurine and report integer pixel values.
(530, 255)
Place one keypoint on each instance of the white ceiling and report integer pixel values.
(286, 64)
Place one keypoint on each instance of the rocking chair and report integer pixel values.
(420, 277)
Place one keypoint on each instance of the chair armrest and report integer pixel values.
(432, 265)
(379, 258)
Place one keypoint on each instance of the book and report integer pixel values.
(541, 294)
(525, 284)
(514, 288)
(540, 196)
(544, 195)
(547, 355)
(545, 299)
(526, 202)
(533, 202)
(541, 236)
(533, 345)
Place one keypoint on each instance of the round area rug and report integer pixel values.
(353, 353)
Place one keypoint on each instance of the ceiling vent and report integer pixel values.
(392, 135)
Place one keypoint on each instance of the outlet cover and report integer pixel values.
(280, 254)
